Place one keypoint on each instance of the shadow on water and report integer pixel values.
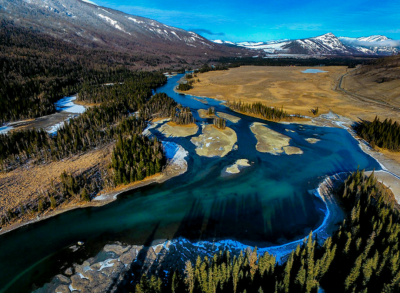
(266, 204)
(244, 218)
(134, 274)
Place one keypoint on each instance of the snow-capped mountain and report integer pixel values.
(377, 44)
(249, 44)
(327, 44)
(90, 25)
(224, 42)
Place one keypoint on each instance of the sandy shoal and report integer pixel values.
(270, 141)
(228, 117)
(312, 140)
(290, 150)
(214, 142)
(172, 129)
(235, 168)
(204, 114)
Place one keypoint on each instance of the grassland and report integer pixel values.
(297, 92)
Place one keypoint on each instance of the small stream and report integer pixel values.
(65, 110)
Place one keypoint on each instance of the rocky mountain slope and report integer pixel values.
(93, 26)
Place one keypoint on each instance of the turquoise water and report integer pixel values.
(266, 204)
(313, 71)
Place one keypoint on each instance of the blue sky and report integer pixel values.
(252, 20)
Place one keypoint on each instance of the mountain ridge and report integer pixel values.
(326, 44)
(93, 26)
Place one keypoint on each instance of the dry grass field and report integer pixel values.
(24, 184)
(297, 92)
(379, 81)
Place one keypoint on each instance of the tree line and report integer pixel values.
(184, 86)
(258, 108)
(163, 106)
(217, 67)
(136, 157)
(232, 62)
(362, 256)
(384, 134)
(220, 123)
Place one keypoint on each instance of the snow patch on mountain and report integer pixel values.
(135, 20)
(90, 2)
(112, 22)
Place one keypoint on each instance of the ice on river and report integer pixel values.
(175, 153)
(5, 129)
(67, 104)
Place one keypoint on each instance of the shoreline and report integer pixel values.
(175, 167)
(163, 256)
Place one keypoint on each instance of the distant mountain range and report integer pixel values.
(89, 25)
(327, 44)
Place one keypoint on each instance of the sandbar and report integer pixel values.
(229, 117)
(291, 150)
(235, 168)
(214, 142)
(312, 140)
(172, 129)
(270, 141)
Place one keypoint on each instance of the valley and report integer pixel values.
(139, 156)
(153, 204)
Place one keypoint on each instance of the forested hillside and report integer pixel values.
(362, 256)
(97, 126)
(37, 70)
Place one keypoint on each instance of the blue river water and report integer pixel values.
(265, 204)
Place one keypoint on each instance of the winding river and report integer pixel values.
(265, 204)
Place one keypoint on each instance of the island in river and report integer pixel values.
(214, 142)
(172, 129)
(270, 141)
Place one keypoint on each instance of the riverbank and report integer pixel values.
(120, 264)
(177, 165)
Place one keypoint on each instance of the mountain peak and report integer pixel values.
(325, 36)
